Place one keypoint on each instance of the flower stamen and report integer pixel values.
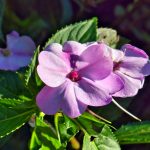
(74, 76)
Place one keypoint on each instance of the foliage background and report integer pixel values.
(40, 19)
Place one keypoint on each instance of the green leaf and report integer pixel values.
(90, 123)
(35, 143)
(11, 86)
(65, 127)
(11, 119)
(44, 136)
(31, 69)
(10, 102)
(109, 36)
(134, 133)
(82, 32)
(2, 7)
(104, 140)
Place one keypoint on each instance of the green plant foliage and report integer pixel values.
(44, 136)
(12, 118)
(11, 86)
(82, 32)
(65, 127)
(104, 140)
(31, 69)
(134, 133)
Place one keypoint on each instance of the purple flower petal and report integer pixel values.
(113, 83)
(146, 69)
(73, 47)
(133, 51)
(55, 48)
(95, 62)
(133, 66)
(13, 62)
(91, 94)
(23, 45)
(49, 100)
(70, 105)
(52, 69)
(131, 86)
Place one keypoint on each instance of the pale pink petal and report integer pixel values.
(113, 83)
(52, 78)
(131, 86)
(73, 47)
(133, 66)
(52, 69)
(91, 94)
(53, 62)
(49, 100)
(133, 51)
(55, 48)
(95, 62)
(70, 105)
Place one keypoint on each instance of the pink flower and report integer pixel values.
(131, 65)
(18, 52)
(73, 74)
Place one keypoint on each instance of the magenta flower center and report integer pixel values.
(74, 76)
(116, 65)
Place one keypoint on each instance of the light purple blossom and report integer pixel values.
(74, 75)
(132, 65)
(18, 52)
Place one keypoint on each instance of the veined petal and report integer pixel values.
(131, 86)
(70, 105)
(113, 83)
(95, 62)
(73, 47)
(55, 48)
(91, 94)
(53, 62)
(50, 77)
(133, 51)
(52, 69)
(49, 99)
(133, 66)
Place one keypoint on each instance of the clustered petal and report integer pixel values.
(81, 75)
(132, 68)
(18, 52)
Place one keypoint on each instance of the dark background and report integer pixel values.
(41, 18)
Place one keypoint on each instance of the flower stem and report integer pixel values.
(97, 116)
(124, 110)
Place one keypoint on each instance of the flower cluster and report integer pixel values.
(80, 75)
(18, 52)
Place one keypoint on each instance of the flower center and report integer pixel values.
(5, 52)
(116, 65)
(74, 76)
